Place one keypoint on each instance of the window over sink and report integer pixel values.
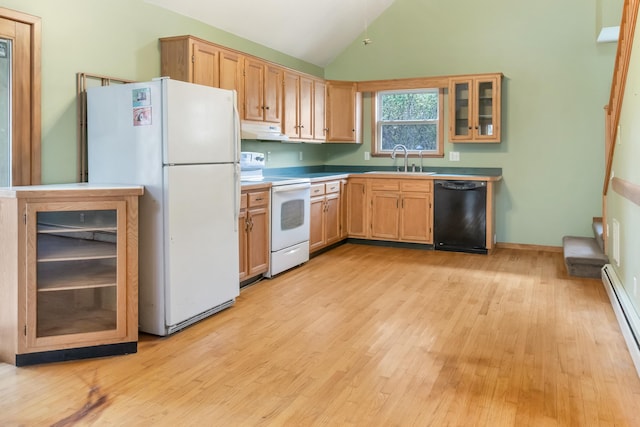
(411, 117)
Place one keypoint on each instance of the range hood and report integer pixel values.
(262, 132)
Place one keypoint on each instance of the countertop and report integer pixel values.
(71, 190)
(323, 173)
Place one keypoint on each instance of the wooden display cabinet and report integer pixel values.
(475, 107)
(69, 272)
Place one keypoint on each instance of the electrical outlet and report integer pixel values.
(268, 156)
(367, 155)
(454, 156)
(300, 155)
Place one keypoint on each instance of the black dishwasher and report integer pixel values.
(460, 216)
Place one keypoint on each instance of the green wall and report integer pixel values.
(625, 166)
(116, 38)
(556, 83)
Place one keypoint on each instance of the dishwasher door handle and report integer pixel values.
(461, 185)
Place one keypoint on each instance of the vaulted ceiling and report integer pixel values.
(315, 31)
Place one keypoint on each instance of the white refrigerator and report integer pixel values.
(181, 141)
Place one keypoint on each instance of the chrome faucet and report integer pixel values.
(420, 154)
(406, 154)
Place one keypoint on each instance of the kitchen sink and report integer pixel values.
(401, 173)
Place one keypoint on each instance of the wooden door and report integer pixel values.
(24, 31)
(254, 89)
(357, 208)
(341, 112)
(305, 120)
(332, 218)
(231, 75)
(291, 110)
(460, 109)
(319, 110)
(206, 64)
(414, 219)
(317, 223)
(273, 94)
(258, 242)
(385, 208)
(242, 240)
(486, 109)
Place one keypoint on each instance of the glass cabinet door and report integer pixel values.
(474, 108)
(75, 287)
(462, 124)
(485, 109)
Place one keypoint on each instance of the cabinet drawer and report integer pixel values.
(385, 185)
(258, 198)
(423, 186)
(317, 189)
(332, 187)
(243, 201)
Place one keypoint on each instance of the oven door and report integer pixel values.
(289, 215)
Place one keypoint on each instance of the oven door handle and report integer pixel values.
(290, 187)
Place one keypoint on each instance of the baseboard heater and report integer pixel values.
(628, 319)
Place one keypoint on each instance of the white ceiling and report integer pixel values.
(315, 31)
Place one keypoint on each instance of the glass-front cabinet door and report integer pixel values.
(475, 108)
(461, 112)
(76, 280)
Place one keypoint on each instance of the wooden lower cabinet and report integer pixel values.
(253, 227)
(357, 208)
(68, 272)
(326, 215)
(391, 209)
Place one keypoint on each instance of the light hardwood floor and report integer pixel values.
(365, 336)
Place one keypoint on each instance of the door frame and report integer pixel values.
(26, 129)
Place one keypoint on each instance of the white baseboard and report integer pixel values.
(628, 319)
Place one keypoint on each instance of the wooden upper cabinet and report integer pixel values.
(290, 105)
(273, 93)
(193, 60)
(297, 120)
(319, 110)
(205, 64)
(475, 108)
(190, 60)
(306, 108)
(342, 112)
(253, 89)
(231, 64)
(262, 91)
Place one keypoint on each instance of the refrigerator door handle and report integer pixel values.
(236, 128)
(236, 195)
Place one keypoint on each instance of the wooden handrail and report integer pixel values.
(623, 55)
(626, 189)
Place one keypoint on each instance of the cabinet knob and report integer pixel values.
(266, 108)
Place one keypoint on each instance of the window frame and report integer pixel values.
(375, 125)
